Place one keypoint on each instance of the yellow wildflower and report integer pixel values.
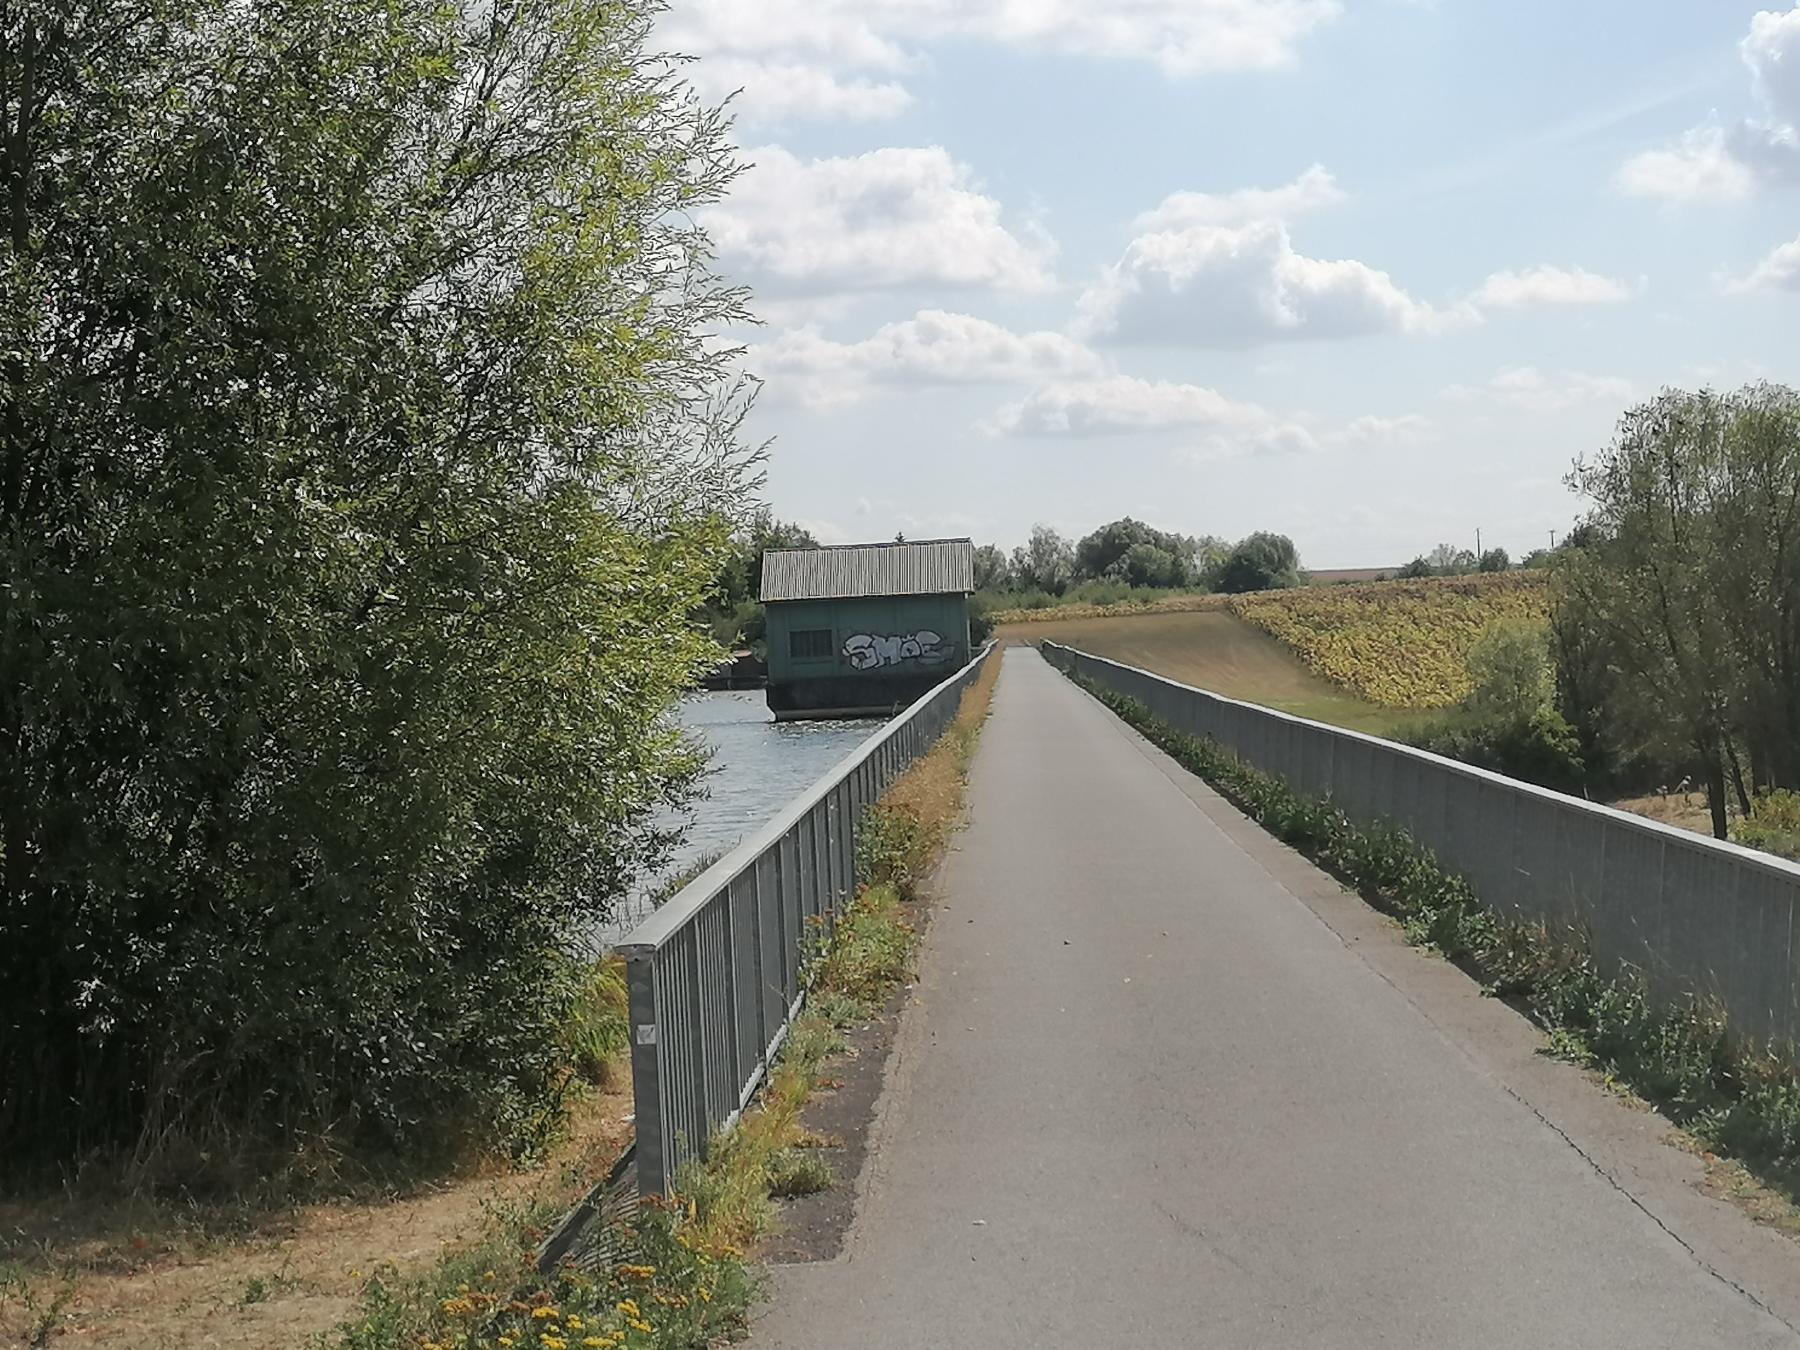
(705, 1294)
(541, 1313)
(638, 1324)
(573, 1321)
(506, 1341)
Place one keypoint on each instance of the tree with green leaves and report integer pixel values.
(363, 448)
(992, 570)
(1130, 551)
(733, 613)
(1509, 722)
(1260, 562)
(1685, 577)
(1511, 671)
(1447, 560)
(1046, 562)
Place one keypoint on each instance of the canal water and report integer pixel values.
(758, 766)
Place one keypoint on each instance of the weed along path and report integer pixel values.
(1163, 1084)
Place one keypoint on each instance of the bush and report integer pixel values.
(794, 1172)
(1510, 669)
(981, 618)
(1508, 723)
(372, 459)
(597, 1032)
(1260, 562)
(1541, 749)
(1773, 824)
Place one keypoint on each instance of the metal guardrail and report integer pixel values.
(1698, 916)
(715, 974)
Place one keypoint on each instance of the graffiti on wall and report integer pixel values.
(872, 651)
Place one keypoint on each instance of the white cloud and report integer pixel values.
(1208, 425)
(1530, 388)
(1698, 168)
(1717, 163)
(1311, 191)
(1181, 37)
(1407, 429)
(932, 347)
(1780, 271)
(1123, 403)
(1547, 285)
(889, 218)
(839, 58)
(826, 531)
(1196, 424)
(1772, 51)
(786, 89)
(1222, 286)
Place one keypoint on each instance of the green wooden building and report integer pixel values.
(861, 630)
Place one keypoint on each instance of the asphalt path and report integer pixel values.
(1145, 1095)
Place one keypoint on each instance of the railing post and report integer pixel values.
(756, 966)
(646, 1074)
(701, 1061)
(730, 946)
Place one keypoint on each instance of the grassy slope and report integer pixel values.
(1220, 652)
(1402, 644)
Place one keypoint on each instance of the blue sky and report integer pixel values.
(1367, 272)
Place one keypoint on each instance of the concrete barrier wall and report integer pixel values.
(1696, 915)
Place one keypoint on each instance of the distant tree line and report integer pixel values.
(1112, 563)
(1129, 553)
(1446, 560)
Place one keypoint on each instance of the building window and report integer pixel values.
(810, 644)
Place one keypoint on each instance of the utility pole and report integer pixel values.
(1478, 543)
(1553, 541)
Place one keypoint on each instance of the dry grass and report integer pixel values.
(1683, 810)
(932, 790)
(144, 1275)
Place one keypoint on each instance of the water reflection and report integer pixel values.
(758, 766)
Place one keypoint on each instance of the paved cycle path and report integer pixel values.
(1147, 1096)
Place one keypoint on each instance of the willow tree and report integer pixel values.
(362, 448)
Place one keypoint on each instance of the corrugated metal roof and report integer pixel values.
(845, 571)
